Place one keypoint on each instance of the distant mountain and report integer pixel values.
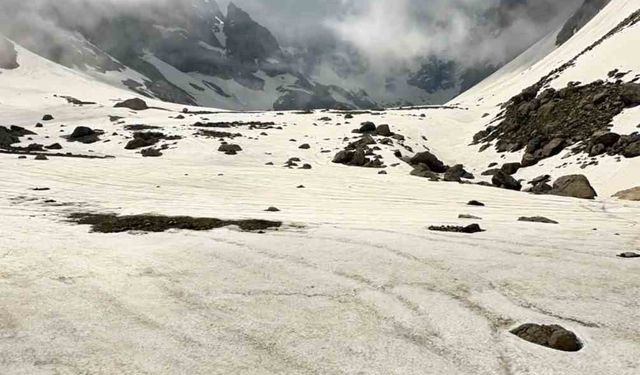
(182, 51)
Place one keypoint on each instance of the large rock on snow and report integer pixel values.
(135, 104)
(576, 186)
(84, 134)
(430, 160)
(551, 336)
(632, 194)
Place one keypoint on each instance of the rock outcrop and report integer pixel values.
(577, 117)
(8, 55)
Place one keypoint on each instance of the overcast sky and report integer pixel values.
(407, 28)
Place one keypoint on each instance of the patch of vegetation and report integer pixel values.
(112, 223)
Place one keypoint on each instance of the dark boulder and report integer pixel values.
(632, 150)
(367, 127)
(511, 168)
(47, 118)
(457, 173)
(503, 180)
(537, 219)
(8, 137)
(576, 186)
(366, 140)
(384, 131)
(343, 157)
(630, 95)
(551, 336)
(84, 134)
(55, 146)
(607, 139)
(151, 152)
(229, 149)
(430, 160)
(135, 104)
(475, 203)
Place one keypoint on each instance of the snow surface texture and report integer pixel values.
(352, 284)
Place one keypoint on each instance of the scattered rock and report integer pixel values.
(465, 216)
(151, 152)
(551, 336)
(230, 149)
(305, 146)
(629, 255)
(538, 219)
(55, 146)
(576, 186)
(47, 117)
(272, 209)
(475, 203)
(41, 157)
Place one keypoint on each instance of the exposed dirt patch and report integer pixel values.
(236, 124)
(111, 223)
(139, 127)
(217, 134)
(469, 229)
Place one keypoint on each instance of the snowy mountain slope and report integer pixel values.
(529, 68)
(353, 282)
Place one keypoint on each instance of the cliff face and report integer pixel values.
(8, 55)
(587, 11)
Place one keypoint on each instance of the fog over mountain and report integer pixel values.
(284, 54)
